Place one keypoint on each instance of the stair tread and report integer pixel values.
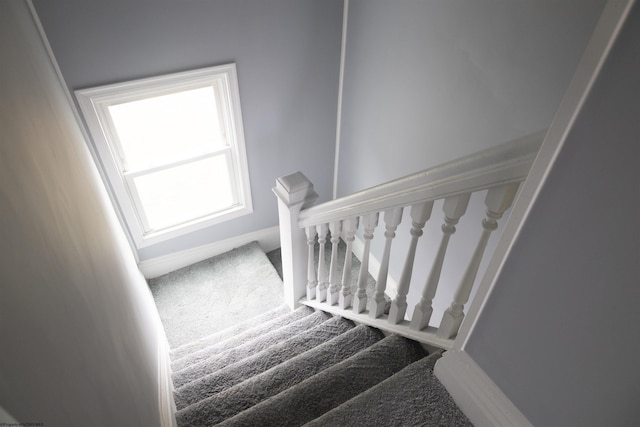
(235, 373)
(257, 344)
(207, 352)
(331, 387)
(216, 293)
(227, 333)
(424, 402)
(260, 387)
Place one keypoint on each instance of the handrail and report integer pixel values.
(508, 162)
(498, 169)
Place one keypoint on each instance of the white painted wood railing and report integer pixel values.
(499, 170)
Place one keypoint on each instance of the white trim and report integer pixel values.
(604, 35)
(268, 238)
(343, 49)
(374, 267)
(474, 392)
(166, 403)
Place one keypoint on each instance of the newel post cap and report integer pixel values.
(294, 189)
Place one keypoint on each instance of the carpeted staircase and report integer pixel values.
(291, 368)
(239, 358)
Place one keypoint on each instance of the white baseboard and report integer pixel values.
(476, 394)
(166, 403)
(374, 267)
(268, 238)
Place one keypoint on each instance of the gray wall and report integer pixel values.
(559, 334)
(429, 81)
(287, 53)
(78, 328)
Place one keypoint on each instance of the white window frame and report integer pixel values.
(94, 104)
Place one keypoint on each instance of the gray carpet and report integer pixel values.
(235, 373)
(421, 401)
(219, 361)
(237, 340)
(237, 329)
(216, 293)
(258, 388)
(329, 388)
(282, 367)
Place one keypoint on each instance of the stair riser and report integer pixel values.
(261, 387)
(219, 361)
(231, 375)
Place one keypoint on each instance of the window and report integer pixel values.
(173, 150)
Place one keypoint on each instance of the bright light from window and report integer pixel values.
(164, 128)
(186, 192)
(162, 131)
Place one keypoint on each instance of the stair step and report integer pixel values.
(258, 388)
(411, 397)
(240, 339)
(225, 334)
(216, 293)
(235, 373)
(316, 395)
(307, 367)
(220, 360)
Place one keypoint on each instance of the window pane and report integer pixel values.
(186, 192)
(156, 130)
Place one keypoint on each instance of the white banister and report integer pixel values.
(334, 283)
(312, 278)
(294, 192)
(323, 278)
(377, 303)
(499, 170)
(349, 226)
(419, 214)
(359, 303)
(497, 202)
(454, 207)
(509, 162)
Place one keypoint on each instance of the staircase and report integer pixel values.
(350, 355)
(307, 367)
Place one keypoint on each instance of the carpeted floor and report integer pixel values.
(241, 358)
(197, 370)
(313, 370)
(234, 373)
(216, 293)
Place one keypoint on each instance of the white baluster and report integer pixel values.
(377, 303)
(497, 201)
(334, 281)
(323, 278)
(369, 223)
(453, 207)
(419, 214)
(311, 266)
(349, 228)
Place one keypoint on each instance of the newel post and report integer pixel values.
(294, 192)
